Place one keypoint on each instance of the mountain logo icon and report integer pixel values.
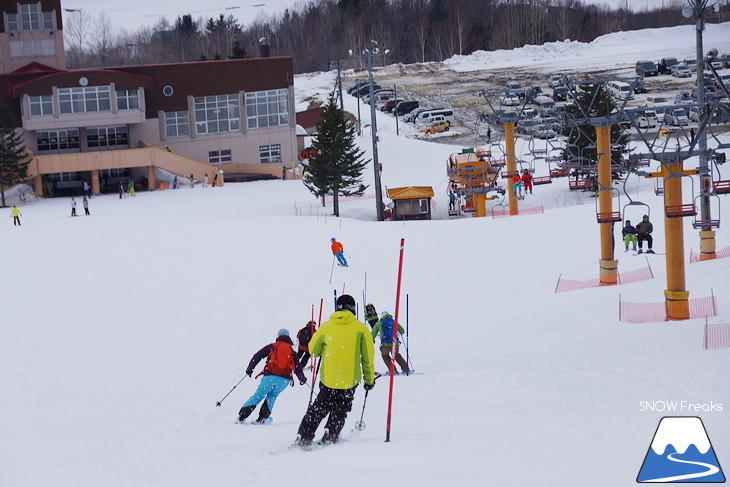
(680, 452)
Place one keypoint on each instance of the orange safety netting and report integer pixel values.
(655, 312)
(643, 274)
(721, 254)
(717, 335)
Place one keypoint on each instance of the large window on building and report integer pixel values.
(217, 114)
(58, 140)
(116, 137)
(32, 48)
(30, 16)
(41, 105)
(127, 99)
(270, 153)
(11, 22)
(176, 124)
(267, 109)
(220, 156)
(84, 100)
(49, 21)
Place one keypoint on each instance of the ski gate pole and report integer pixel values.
(314, 362)
(218, 404)
(394, 342)
(333, 268)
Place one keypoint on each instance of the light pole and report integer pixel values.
(368, 53)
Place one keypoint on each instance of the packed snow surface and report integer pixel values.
(121, 330)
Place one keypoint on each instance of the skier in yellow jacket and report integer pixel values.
(15, 213)
(347, 351)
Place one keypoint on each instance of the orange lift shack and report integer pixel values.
(411, 202)
(474, 176)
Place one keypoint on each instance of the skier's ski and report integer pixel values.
(315, 446)
(649, 253)
(268, 420)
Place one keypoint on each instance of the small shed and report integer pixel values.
(411, 202)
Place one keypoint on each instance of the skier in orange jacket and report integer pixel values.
(338, 252)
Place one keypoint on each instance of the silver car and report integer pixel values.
(681, 71)
(676, 116)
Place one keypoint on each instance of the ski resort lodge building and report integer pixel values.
(231, 117)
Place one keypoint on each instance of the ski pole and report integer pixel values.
(218, 404)
(408, 356)
(311, 389)
(359, 425)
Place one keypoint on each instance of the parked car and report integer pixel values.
(533, 92)
(694, 114)
(436, 126)
(684, 96)
(646, 68)
(359, 84)
(665, 64)
(516, 88)
(676, 116)
(691, 63)
(510, 99)
(681, 71)
(389, 105)
(365, 89)
(646, 119)
(556, 80)
(560, 93)
(544, 104)
(528, 112)
(639, 86)
(658, 101)
(544, 131)
(527, 126)
(405, 107)
(725, 78)
(411, 116)
(620, 90)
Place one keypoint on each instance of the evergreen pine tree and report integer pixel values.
(237, 51)
(13, 158)
(593, 101)
(336, 164)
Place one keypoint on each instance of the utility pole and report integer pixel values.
(338, 65)
(368, 53)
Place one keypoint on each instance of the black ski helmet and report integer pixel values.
(346, 302)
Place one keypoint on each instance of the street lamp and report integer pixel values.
(369, 53)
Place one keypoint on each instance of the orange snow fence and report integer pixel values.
(643, 274)
(721, 254)
(656, 312)
(717, 335)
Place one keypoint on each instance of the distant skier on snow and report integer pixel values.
(338, 252)
(384, 328)
(303, 337)
(281, 361)
(371, 314)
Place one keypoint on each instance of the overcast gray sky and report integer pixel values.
(132, 14)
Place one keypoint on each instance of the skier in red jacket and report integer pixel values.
(527, 181)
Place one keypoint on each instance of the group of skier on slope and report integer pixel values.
(344, 346)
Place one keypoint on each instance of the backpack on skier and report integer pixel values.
(281, 359)
(386, 330)
(305, 334)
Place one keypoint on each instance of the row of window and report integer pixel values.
(32, 48)
(30, 17)
(118, 137)
(213, 114)
(69, 140)
(83, 100)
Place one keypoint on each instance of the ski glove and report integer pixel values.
(369, 386)
(302, 382)
(249, 372)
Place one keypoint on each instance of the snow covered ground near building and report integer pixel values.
(122, 329)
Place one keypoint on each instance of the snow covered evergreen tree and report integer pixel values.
(336, 164)
(13, 160)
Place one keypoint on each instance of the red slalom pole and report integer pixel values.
(312, 361)
(394, 342)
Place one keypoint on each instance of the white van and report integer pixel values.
(447, 113)
(620, 90)
(544, 103)
(432, 119)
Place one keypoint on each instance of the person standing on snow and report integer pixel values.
(15, 213)
(629, 234)
(85, 202)
(643, 230)
(73, 207)
(526, 181)
(371, 314)
(452, 200)
(338, 252)
(346, 348)
(384, 328)
(280, 363)
(303, 337)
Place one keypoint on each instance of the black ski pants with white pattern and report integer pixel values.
(333, 402)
